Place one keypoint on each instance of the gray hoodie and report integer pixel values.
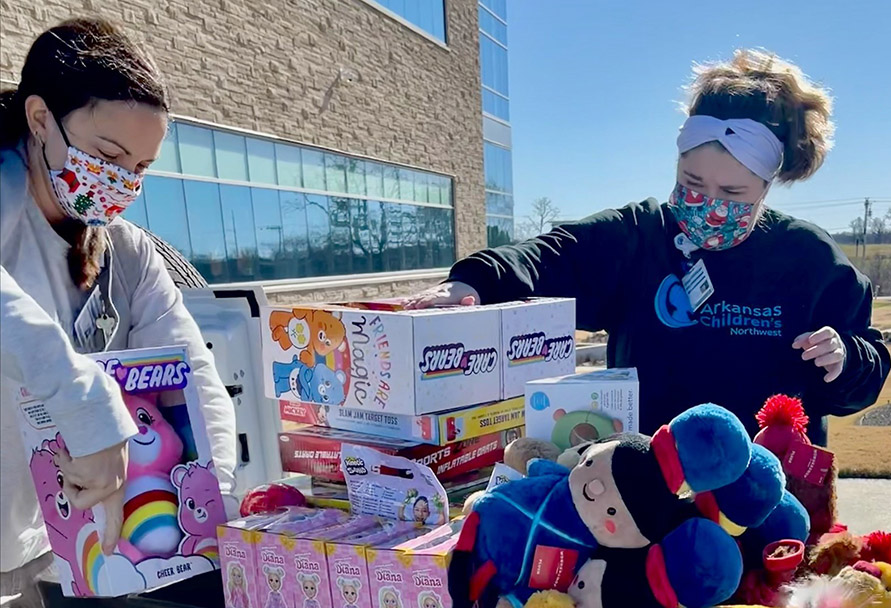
(46, 321)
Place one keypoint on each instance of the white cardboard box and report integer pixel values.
(570, 410)
(537, 341)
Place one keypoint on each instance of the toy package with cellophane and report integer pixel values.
(172, 496)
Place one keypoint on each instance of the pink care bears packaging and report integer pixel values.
(172, 502)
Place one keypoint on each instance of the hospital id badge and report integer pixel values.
(698, 285)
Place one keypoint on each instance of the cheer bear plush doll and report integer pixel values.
(624, 494)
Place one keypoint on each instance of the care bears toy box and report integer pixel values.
(378, 357)
(173, 503)
(570, 410)
(434, 429)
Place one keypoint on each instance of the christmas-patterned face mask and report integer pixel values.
(91, 189)
(711, 223)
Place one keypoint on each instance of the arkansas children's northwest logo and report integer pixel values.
(453, 360)
(674, 310)
(537, 348)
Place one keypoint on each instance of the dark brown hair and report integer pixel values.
(72, 66)
(760, 86)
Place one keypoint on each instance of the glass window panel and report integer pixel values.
(196, 150)
(374, 179)
(313, 169)
(241, 236)
(426, 236)
(392, 228)
(206, 230)
(270, 233)
(439, 25)
(341, 239)
(319, 228)
(335, 173)
(261, 161)
(422, 189)
(496, 105)
(375, 219)
(412, 12)
(447, 192)
(360, 226)
(492, 26)
(410, 237)
(398, 6)
(434, 189)
(391, 182)
(287, 162)
(406, 184)
(296, 238)
(425, 14)
(499, 231)
(169, 159)
(356, 176)
(446, 232)
(499, 7)
(487, 62)
(166, 210)
(136, 212)
(231, 156)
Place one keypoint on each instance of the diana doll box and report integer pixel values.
(172, 495)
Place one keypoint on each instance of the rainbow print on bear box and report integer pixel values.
(172, 502)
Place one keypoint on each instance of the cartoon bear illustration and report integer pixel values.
(315, 332)
(274, 578)
(319, 384)
(310, 585)
(349, 589)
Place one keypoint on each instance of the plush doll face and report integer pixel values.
(328, 332)
(599, 503)
(588, 583)
(156, 447)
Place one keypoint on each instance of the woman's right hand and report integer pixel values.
(445, 294)
(98, 478)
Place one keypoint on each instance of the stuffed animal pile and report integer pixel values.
(633, 521)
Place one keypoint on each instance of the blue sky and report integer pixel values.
(593, 92)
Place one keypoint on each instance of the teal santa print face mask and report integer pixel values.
(710, 223)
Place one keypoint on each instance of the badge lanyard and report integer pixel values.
(695, 281)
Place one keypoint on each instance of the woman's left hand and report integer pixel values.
(825, 348)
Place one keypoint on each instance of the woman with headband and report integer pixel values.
(713, 296)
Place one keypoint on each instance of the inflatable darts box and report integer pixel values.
(172, 501)
(378, 357)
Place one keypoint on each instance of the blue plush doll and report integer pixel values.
(696, 565)
(534, 533)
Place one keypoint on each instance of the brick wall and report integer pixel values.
(268, 65)
(388, 289)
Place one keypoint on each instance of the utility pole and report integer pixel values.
(866, 214)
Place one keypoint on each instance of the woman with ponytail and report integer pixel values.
(712, 296)
(76, 137)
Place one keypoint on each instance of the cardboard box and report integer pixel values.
(315, 451)
(433, 429)
(375, 356)
(407, 362)
(570, 410)
(414, 573)
(537, 341)
(173, 502)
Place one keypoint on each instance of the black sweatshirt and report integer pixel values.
(622, 266)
